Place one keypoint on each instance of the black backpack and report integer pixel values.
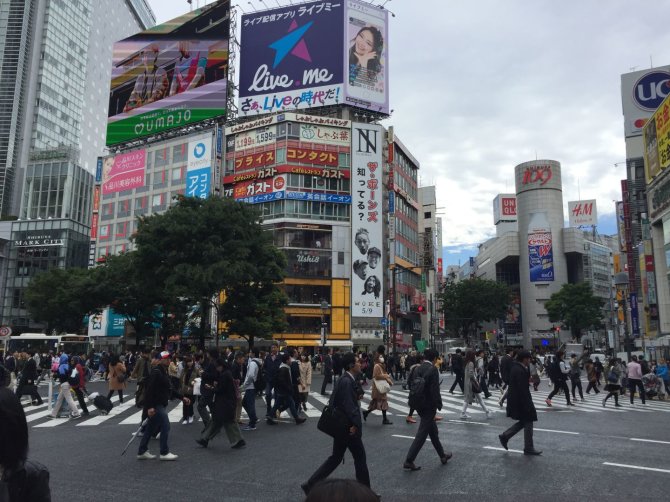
(417, 389)
(260, 382)
(554, 370)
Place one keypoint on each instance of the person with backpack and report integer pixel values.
(424, 396)
(458, 368)
(408, 386)
(576, 377)
(613, 385)
(520, 405)
(63, 374)
(248, 390)
(79, 384)
(558, 372)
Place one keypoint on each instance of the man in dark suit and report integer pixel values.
(520, 405)
(327, 371)
(459, 371)
(426, 405)
(345, 398)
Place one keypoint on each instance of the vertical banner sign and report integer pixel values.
(199, 167)
(634, 314)
(367, 296)
(367, 56)
(540, 250)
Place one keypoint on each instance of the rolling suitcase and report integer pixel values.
(103, 404)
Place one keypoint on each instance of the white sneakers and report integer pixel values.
(488, 414)
(148, 456)
(464, 416)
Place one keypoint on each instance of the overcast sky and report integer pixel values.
(478, 87)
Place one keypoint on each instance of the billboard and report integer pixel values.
(583, 213)
(367, 236)
(199, 167)
(170, 76)
(124, 171)
(540, 248)
(657, 141)
(641, 94)
(312, 55)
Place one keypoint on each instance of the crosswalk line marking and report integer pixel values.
(637, 467)
(649, 441)
(497, 448)
(467, 421)
(407, 437)
(557, 432)
(134, 419)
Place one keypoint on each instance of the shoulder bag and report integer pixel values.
(382, 386)
(332, 421)
(474, 385)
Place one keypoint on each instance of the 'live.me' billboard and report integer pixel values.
(313, 55)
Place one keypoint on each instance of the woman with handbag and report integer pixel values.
(186, 389)
(117, 377)
(471, 388)
(305, 379)
(381, 385)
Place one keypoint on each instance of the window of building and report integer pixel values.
(121, 229)
(177, 174)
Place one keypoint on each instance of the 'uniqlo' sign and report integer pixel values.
(508, 206)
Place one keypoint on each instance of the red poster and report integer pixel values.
(94, 226)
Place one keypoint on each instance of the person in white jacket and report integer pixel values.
(248, 390)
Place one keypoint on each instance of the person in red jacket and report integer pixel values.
(80, 388)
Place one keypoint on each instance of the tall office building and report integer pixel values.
(55, 62)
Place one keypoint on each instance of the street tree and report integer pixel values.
(576, 308)
(61, 298)
(200, 247)
(133, 291)
(466, 304)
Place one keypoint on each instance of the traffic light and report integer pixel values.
(421, 309)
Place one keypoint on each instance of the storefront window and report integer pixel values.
(308, 263)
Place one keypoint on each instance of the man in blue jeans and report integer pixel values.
(254, 367)
(157, 394)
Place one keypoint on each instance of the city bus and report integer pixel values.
(43, 344)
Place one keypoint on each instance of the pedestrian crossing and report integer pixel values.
(127, 414)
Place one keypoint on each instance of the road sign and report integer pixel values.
(5, 331)
(383, 322)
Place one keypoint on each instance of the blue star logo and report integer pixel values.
(292, 43)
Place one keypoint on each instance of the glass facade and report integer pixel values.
(37, 246)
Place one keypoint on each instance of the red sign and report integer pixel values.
(439, 267)
(537, 174)
(259, 187)
(271, 171)
(508, 206)
(94, 226)
(649, 263)
(254, 161)
(96, 198)
(307, 156)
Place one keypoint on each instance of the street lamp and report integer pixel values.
(324, 324)
(621, 283)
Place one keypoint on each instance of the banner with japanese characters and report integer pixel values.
(367, 236)
(124, 171)
(199, 167)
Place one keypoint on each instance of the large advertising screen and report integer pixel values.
(367, 236)
(312, 55)
(540, 248)
(170, 76)
(657, 141)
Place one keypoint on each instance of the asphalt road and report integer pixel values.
(589, 452)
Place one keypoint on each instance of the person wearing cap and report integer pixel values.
(157, 394)
(374, 254)
(360, 269)
(520, 405)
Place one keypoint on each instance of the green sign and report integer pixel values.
(157, 121)
(420, 345)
